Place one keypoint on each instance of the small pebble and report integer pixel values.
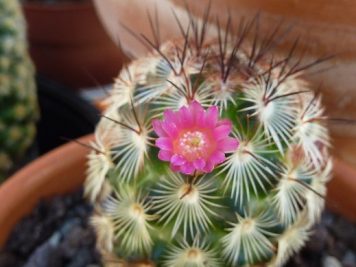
(44, 256)
(338, 248)
(349, 259)
(83, 258)
(330, 261)
(316, 245)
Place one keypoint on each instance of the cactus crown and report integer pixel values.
(210, 153)
(18, 112)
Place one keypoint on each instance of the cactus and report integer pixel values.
(18, 113)
(210, 153)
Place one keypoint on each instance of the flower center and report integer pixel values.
(192, 141)
(192, 145)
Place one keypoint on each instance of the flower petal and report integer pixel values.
(209, 166)
(186, 117)
(217, 157)
(170, 116)
(197, 111)
(199, 164)
(222, 131)
(187, 168)
(211, 116)
(175, 168)
(165, 155)
(157, 127)
(228, 144)
(196, 108)
(174, 117)
(170, 128)
(164, 143)
(223, 122)
(177, 160)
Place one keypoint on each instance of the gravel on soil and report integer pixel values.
(56, 234)
(332, 244)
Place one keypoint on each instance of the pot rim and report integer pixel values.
(20, 193)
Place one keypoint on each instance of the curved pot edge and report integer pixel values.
(20, 193)
(341, 192)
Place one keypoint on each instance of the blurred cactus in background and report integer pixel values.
(210, 153)
(18, 103)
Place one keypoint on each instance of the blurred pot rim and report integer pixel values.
(57, 172)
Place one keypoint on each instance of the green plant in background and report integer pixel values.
(210, 153)
(18, 103)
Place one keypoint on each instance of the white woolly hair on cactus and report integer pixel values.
(210, 153)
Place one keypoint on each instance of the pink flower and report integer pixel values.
(193, 139)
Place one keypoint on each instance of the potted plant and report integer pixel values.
(212, 151)
(68, 44)
(189, 165)
(18, 99)
(23, 96)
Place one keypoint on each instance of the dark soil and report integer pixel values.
(57, 234)
(331, 244)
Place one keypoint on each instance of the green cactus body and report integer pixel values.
(18, 112)
(255, 205)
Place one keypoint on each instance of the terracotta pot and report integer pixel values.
(69, 45)
(342, 190)
(57, 172)
(63, 170)
(325, 27)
